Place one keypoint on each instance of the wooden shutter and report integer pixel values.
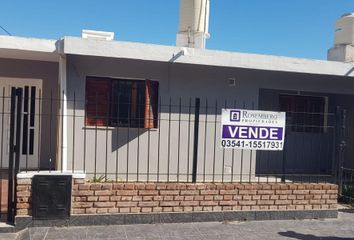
(98, 93)
(151, 104)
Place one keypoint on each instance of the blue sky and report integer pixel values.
(297, 28)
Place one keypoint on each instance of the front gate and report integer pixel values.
(19, 139)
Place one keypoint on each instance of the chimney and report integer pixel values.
(343, 50)
(193, 23)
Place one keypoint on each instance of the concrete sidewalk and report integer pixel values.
(334, 229)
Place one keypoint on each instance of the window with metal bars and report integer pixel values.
(305, 113)
(121, 102)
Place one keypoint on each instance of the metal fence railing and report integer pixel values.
(346, 185)
(118, 142)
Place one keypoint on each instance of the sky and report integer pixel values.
(294, 28)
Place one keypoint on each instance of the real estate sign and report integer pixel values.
(250, 129)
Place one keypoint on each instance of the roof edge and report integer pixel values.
(173, 54)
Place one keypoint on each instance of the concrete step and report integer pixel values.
(6, 228)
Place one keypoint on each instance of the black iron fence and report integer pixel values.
(173, 139)
(346, 185)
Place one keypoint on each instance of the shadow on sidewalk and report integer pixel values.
(292, 234)
(346, 210)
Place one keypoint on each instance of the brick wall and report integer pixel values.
(100, 198)
(23, 189)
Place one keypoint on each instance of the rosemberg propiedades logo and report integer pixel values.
(235, 116)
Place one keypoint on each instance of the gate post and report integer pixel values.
(195, 144)
(16, 110)
(11, 157)
(284, 163)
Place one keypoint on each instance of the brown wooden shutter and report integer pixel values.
(98, 93)
(151, 104)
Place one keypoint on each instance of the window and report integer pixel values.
(121, 102)
(305, 113)
(29, 109)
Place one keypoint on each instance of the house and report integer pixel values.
(126, 112)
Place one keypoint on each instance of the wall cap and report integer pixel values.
(30, 174)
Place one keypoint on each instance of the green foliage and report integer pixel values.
(348, 191)
(99, 179)
(102, 178)
(348, 195)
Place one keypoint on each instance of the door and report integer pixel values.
(309, 151)
(30, 123)
(310, 134)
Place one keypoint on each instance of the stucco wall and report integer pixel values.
(176, 81)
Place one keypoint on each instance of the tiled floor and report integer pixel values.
(334, 229)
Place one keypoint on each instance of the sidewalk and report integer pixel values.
(337, 229)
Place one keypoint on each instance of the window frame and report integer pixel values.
(144, 119)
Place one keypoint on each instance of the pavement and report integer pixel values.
(330, 229)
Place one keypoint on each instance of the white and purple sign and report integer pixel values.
(251, 129)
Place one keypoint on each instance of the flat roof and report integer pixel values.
(28, 48)
(43, 49)
(161, 53)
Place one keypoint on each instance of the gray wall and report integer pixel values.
(176, 80)
(48, 73)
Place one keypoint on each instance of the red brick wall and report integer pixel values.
(90, 198)
(98, 198)
(23, 206)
